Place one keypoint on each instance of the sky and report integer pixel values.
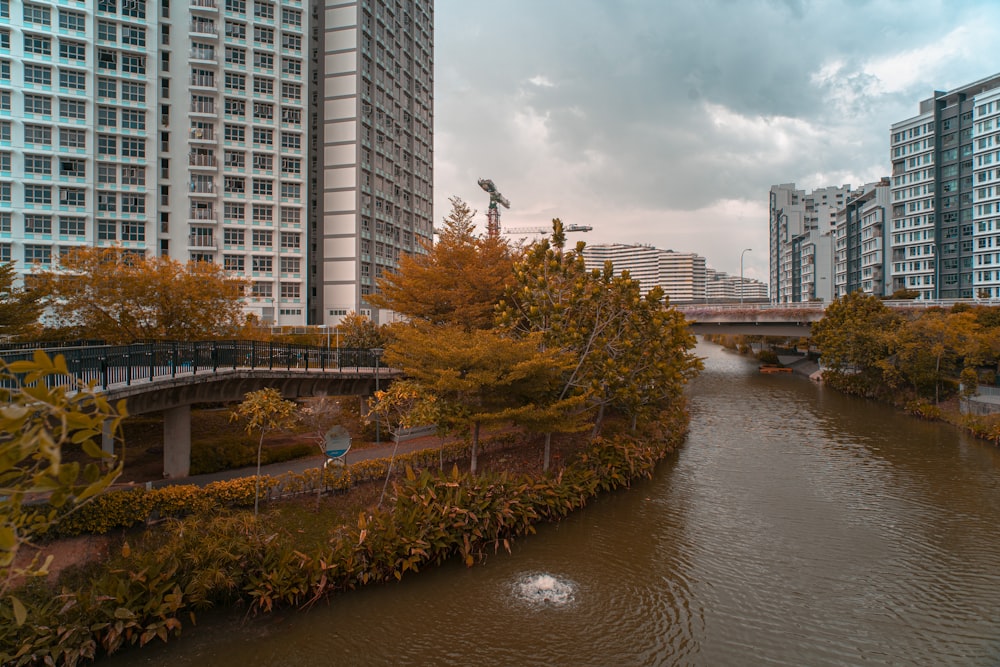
(665, 122)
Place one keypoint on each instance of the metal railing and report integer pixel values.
(110, 365)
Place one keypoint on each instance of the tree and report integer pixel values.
(19, 308)
(39, 420)
(403, 405)
(458, 280)
(857, 338)
(933, 346)
(358, 331)
(476, 377)
(121, 297)
(264, 411)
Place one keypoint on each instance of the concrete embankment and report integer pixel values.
(802, 365)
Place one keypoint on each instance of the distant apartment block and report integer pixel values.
(860, 242)
(289, 142)
(722, 287)
(681, 275)
(801, 229)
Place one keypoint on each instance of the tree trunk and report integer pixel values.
(548, 449)
(475, 447)
(597, 422)
(388, 472)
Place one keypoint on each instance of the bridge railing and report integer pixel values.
(109, 365)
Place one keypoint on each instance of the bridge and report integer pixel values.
(172, 376)
(784, 319)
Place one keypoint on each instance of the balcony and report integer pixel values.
(206, 134)
(204, 6)
(202, 187)
(200, 241)
(202, 215)
(203, 81)
(205, 160)
(204, 29)
(204, 108)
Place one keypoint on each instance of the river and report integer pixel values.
(796, 527)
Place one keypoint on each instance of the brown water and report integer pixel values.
(796, 527)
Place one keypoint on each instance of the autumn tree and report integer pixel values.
(404, 404)
(19, 308)
(458, 280)
(121, 297)
(934, 346)
(856, 339)
(476, 377)
(39, 421)
(359, 332)
(263, 411)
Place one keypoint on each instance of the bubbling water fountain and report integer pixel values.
(544, 590)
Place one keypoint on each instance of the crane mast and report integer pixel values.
(493, 212)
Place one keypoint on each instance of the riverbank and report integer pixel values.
(297, 553)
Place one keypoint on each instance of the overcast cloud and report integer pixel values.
(665, 121)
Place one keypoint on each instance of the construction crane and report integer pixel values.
(493, 213)
(546, 230)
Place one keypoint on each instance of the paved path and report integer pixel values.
(301, 465)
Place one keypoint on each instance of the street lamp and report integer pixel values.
(741, 273)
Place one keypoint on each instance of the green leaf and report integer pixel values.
(20, 613)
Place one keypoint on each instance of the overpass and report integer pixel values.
(172, 376)
(785, 319)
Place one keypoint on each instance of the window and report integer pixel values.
(291, 42)
(262, 136)
(4, 70)
(292, 67)
(261, 290)
(133, 203)
(235, 159)
(289, 216)
(107, 117)
(263, 161)
(291, 91)
(38, 45)
(73, 50)
(38, 74)
(37, 14)
(233, 211)
(107, 230)
(291, 166)
(72, 167)
(291, 140)
(107, 174)
(263, 35)
(133, 35)
(235, 107)
(107, 88)
(263, 9)
(37, 165)
(263, 86)
(5, 224)
(37, 194)
(5, 161)
(261, 263)
(134, 64)
(72, 197)
(107, 59)
(133, 92)
(263, 111)
(133, 175)
(38, 134)
(235, 56)
(107, 144)
(37, 254)
(37, 224)
(291, 17)
(5, 191)
(234, 133)
(234, 185)
(263, 187)
(134, 8)
(133, 231)
(72, 226)
(262, 238)
(38, 104)
(72, 109)
(233, 263)
(5, 106)
(72, 138)
(5, 248)
(293, 116)
(72, 20)
(107, 31)
(262, 215)
(233, 236)
(133, 119)
(5, 130)
(73, 79)
(236, 30)
(290, 239)
(236, 6)
(290, 190)
(236, 82)
(290, 264)
(290, 290)
(263, 60)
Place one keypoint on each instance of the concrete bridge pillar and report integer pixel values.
(177, 442)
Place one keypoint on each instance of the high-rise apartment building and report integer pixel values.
(940, 235)
(860, 258)
(681, 275)
(288, 141)
(801, 228)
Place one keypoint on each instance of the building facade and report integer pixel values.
(681, 275)
(216, 131)
(860, 258)
(801, 231)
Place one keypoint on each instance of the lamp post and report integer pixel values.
(745, 251)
